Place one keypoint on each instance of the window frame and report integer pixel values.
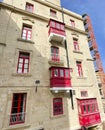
(59, 76)
(53, 13)
(18, 105)
(25, 32)
(55, 24)
(72, 23)
(58, 105)
(27, 7)
(79, 68)
(55, 55)
(21, 64)
(88, 104)
(76, 44)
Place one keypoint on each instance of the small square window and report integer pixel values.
(84, 94)
(29, 7)
(72, 23)
(52, 13)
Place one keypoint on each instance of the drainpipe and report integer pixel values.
(68, 65)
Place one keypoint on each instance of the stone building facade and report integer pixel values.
(47, 78)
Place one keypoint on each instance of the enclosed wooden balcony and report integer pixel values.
(91, 119)
(60, 79)
(88, 112)
(56, 31)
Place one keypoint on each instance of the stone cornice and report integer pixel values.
(59, 8)
(24, 12)
(33, 15)
(75, 30)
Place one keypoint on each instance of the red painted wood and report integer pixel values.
(88, 120)
(60, 77)
(88, 112)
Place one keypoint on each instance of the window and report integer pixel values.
(27, 32)
(55, 54)
(52, 13)
(76, 45)
(23, 63)
(55, 72)
(57, 106)
(72, 23)
(29, 7)
(87, 106)
(79, 68)
(57, 25)
(18, 108)
(84, 94)
(60, 73)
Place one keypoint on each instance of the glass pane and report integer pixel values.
(25, 66)
(29, 32)
(24, 35)
(56, 73)
(53, 24)
(24, 31)
(20, 66)
(67, 73)
(62, 27)
(19, 70)
(20, 60)
(25, 70)
(84, 109)
(26, 60)
(61, 73)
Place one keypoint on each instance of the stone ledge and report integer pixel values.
(23, 40)
(79, 52)
(22, 75)
(17, 126)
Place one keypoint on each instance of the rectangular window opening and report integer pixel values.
(23, 62)
(18, 108)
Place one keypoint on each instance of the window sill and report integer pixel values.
(79, 52)
(17, 126)
(81, 77)
(57, 116)
(24, 40)
(22, 75)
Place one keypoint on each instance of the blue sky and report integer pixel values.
(96, 10)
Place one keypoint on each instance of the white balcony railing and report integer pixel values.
(15, 119)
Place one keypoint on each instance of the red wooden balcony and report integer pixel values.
(56, 31)
(88, 112)
(60, 79)
(88, 120)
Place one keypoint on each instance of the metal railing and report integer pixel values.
(17, 118)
